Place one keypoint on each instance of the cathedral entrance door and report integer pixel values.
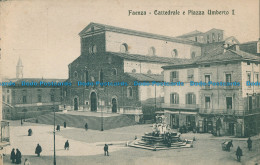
(93, 101)
(76, 104)
(114, 105)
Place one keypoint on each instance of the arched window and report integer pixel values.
(134, 71)
(124, 48)
(101, 76)
(151, 51)
(93, 49)
(174, 53)
(114, 71)
(193, 55)
(75, 74)
(149, 72)
(213, 37)
(129, 92)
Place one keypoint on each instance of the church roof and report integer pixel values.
(156, 59)
(146, 77)
(102, 27)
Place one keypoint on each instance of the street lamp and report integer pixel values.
(102, 124)
(54, 123)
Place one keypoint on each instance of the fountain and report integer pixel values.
(161, 138)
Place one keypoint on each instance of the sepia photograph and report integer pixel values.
(170, 82)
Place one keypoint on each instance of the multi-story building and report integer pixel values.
(112, 54)
(230, 110)
(22, 98)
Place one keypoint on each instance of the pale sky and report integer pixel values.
(45, 33)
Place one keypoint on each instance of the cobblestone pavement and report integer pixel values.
(86, 147)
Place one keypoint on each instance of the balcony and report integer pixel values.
(180, 106)
(228, 111)
(4, 134)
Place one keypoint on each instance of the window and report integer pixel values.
(207, 102)
(8, 99)
(129, 92)
(75, 74)
(151, 51)
(101, 76)
(207, 80)
(39, 98)
(134, 71)
(219, 37)
(86, 76)
(229, 102)
(196, 39)
(193, 55)
(52, 97)
(124, 48)
(24, 99)
(207, 38)
(114, 71)
(257, 77)
(7, 90)
(190, 73)
(228, 78)
(149, 72)
(190, 98)
(174, 76)
(3, 98)
(248, 63)
(109, 60)
(174, 98)
(174, 53)
(249, 76)
(213, 37)
(93, 49)
(258, 101)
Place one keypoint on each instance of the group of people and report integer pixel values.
(16, 157)
(239, 151)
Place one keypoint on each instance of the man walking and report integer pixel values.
(249, 144)
(38, 150)
(67, 145)
(239, 153)
(18, 157)
(106, 150)
(12, 157)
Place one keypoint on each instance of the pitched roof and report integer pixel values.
(193, 33)
(229, 55)
(156, 59)
(146, 77)
(136, 33)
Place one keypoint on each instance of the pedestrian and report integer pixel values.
(239, 153)
(26, 162)
(86, 126)
(67, 145)
(12, 157)
(38, 150)
(30, 132)
(229, 145)
(21, 121)
(106, 150)
(58, 127)
(65, 124)
(249, 144)
(18, 157)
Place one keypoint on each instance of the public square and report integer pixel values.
(86, 147)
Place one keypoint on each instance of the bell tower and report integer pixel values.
(19, 69)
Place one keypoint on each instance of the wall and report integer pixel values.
(142, 67)
(141, 45)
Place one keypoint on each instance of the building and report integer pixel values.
(226, 110)
(113, 54)
(27, 97)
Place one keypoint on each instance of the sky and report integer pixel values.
(44, 33)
